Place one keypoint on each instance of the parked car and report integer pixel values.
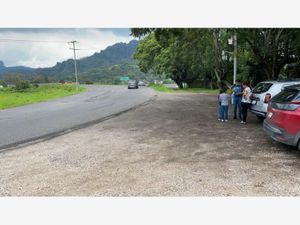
(141, 83)
(283, 117)
(133, 84)
(263, 92)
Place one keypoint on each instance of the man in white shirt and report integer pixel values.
(246, 101)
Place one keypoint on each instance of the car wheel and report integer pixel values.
(261, 118)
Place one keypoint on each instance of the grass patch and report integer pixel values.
(107, 84)
(9, 97)
(162, 88)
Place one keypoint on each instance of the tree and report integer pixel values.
(146, 53)
(13, 78)
(22, 85)
(184, 55)
(40, 79)
(3, 83)
(272, 49)
(195, 55)
(167, 52)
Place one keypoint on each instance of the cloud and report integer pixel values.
(55, 48)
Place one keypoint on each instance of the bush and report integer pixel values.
(3, 83)
(89, 82)
(22, 85)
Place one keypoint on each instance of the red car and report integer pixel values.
(283, 117)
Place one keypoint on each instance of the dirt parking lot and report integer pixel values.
(173, 146)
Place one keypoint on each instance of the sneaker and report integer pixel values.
(226, 121)
(222, 120)
(242, 122)
(219, 119)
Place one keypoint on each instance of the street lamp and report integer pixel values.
(233, 41)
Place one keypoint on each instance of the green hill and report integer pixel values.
(106, 66)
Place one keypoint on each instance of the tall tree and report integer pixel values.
(189, 55)
(177, 53)
(272, 48)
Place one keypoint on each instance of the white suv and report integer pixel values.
(262, 94)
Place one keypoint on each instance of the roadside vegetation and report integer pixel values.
(162, 88)
(25, 93)
(204, 57)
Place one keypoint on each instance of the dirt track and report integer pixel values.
(173, 146)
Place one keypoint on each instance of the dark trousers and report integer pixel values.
(245, 107)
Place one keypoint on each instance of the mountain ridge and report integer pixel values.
(111, 55)
(108, 64)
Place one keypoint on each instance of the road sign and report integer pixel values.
(124, 78)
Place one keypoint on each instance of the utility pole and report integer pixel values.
(234, 57)
(75, 64)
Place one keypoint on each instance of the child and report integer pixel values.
(219, 107)
(224, 102)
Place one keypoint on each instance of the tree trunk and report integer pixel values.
(180, 84)
(219, 81)
(211, 84)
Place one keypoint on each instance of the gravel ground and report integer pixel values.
(173, 146)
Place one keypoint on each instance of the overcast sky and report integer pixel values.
(56, 48)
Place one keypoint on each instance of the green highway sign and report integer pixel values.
(124, 78)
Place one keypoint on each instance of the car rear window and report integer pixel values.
(287, 95)
(262, 87)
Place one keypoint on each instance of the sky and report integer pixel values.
(37, 47)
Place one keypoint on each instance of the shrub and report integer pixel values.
(3, 83)
(22, 85)
(89, 82)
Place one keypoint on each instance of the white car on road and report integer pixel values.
(262, 94)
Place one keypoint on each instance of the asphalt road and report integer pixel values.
(27, 123)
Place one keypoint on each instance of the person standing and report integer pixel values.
(224, 101)
(219, 106)
(237, 99)
(246, 101)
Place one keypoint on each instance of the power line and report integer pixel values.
(43, 41)
(28, 40)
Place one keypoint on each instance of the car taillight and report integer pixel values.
(267, 98)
